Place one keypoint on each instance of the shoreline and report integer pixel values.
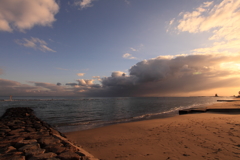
(191, 136)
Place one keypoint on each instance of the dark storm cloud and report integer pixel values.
(71, 84)
(164, 75)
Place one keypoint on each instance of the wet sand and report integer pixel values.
(191, 136)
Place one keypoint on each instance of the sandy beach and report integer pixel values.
(192, 136)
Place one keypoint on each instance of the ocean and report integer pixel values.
(77, 113)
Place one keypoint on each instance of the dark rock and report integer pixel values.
(48, 140)
(12, 157)
(5, 130)
(24, 136)
(9, 149)
(16, 131)
(43, 156)
(25, 142)
(57, 150)
(35, 152)
(69, 156)
(30, 129)
(28, 147)
(54, 158)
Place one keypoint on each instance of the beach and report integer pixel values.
(192, 136)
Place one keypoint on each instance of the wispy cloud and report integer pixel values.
(127, 2)
(35, 43)
(81, 74)
(133, 49)
(84, 3)
(128, 56)
(9, 87)
(62, 69)
(221, 19)
(96, 77)
(24, 14)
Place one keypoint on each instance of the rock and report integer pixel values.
(2, 134)
(48, 140)
(17, 153)
(53, 131)
(43, 156)
(69, 156)
(57, 149)
(24, 136)
(12, 157)
(16, 131)
(70, 147)
(5, 130)
(35, 135)
(25, 142)
(35, 152)
(15, 140)
(5, 143)
(9, 149)
(28, 147)
(18, 157)
(30, 129)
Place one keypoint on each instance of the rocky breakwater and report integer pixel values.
(23, 136)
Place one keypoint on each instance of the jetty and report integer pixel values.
(23, 136)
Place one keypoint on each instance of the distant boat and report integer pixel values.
(216, 95)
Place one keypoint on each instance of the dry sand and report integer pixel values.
(192, 137)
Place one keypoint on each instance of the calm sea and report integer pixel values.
(74, 113)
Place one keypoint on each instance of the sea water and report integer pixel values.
(76, 113)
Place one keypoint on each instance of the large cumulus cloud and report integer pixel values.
(24, 14)
(177, 75)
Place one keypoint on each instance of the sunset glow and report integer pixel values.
(119, 48)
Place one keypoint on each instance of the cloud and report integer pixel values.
(127, 2)
(5, 82)
(133, 49)
(24, 14)
(72, 84)
(181, 75)
(81, 74)
(49, 86)
(83, 3)
(85, 82)
(35, 43)
(128, 56)
(96, 77)
(175, 75)
(63, 69)
(221, 19)
(9, 87)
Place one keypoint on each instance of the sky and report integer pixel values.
(122, 48)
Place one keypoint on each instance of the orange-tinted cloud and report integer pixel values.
(25, 14)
